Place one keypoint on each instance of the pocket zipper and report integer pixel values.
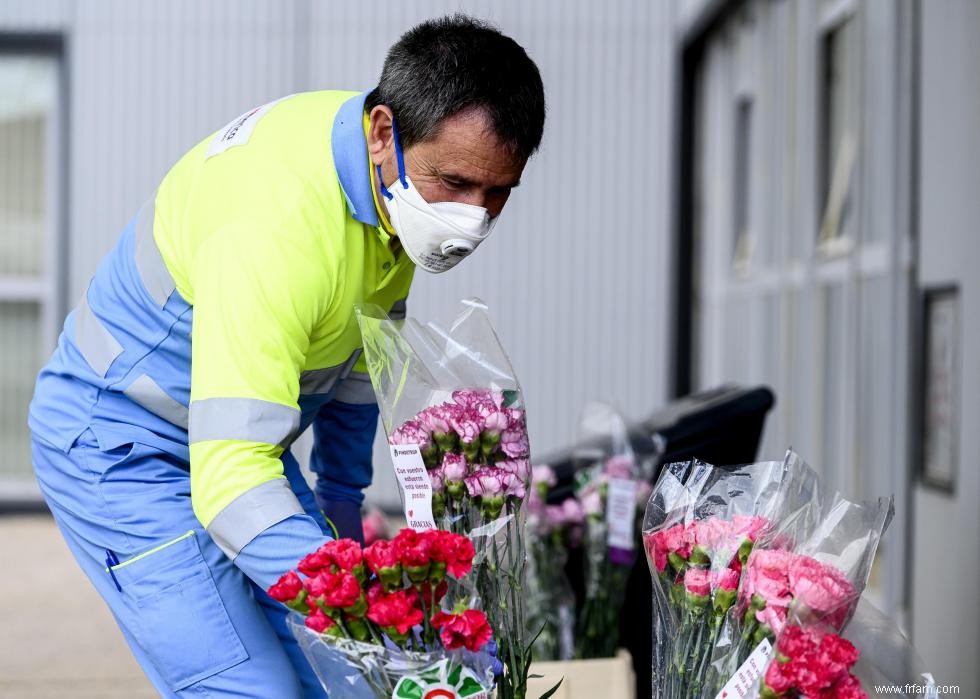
(162, 546)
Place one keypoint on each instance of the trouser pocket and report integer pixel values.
(181, 621)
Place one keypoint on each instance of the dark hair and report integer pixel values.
(447, 65)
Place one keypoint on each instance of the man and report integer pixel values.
(222, 325)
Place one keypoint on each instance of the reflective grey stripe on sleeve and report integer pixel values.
(251, 513)
(152, 270)
(318, 381)
(245, 419)
(398, 310)
(321, 381)
(356, 389)
(148, 393)
(93, 340)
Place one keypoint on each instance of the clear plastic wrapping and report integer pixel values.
(349, 669)
(613, 491)
(700, 526)
(552, 529)
(813, 564)
(452, 409)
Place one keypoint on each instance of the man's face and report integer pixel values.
(464, 162)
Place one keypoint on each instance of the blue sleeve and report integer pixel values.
(343, 442)
(280, 548)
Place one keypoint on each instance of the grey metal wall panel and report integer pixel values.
(577, 272)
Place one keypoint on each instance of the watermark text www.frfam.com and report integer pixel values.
(917, 690)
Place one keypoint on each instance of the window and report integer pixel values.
(837, 143)
(29, 270)
(741, 184)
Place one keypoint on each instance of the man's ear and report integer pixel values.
(380, 139)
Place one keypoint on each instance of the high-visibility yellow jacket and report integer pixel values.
(222, 324)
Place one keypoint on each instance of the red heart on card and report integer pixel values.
(411, 513)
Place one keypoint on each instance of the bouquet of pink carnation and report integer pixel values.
(377, 622)
(811, 568)
(551, 530)
(451, 407)
(701, 526)
(613, 487)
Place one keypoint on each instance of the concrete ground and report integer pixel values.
(57, 637)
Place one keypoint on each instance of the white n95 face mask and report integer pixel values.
(435, 236)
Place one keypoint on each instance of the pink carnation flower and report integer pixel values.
(591, 501)
(454, 467)
(697, 582)
(437, 479)
(572, 511)
(619, 466)
(435, 420)
(411, 433)
(486, 482)
(494, 420)
(542, 473)
(726, 579)
(471, 398)
(519, 467)
(513, 442)
(823, 589)
(466, 424)
(514, 485)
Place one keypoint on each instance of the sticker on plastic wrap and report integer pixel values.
(413, 481)
(238, 130)
(621, 512)
(441, 681)
(745, 681)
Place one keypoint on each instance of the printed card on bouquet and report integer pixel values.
(415, 485)
(745, 682)
(620, 512)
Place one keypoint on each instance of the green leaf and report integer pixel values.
(552, 690)
(454, 675)
(408, 689)
(469, 687)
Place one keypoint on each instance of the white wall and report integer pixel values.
(946, 560)
(577, 273)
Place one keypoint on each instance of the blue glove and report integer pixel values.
(496, 665)
(343, 516)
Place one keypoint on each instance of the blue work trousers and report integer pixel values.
(196, 624)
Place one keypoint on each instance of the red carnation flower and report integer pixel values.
(315, 562)
(381, 555)
(453, 550)
(336, 591)
(319, 622)
(397, 611)
(344, 553)
(287, 589)
(469, 629)
(415, 553)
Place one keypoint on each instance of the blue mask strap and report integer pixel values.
(400, 158)
(399, 155)
(384, 190)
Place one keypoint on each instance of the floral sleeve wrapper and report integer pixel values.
(813, 657)
(453, 412)
(350, 669)
(613, 486)
(812, 565)
(700, 527)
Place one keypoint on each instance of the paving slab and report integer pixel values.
(58, 638)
